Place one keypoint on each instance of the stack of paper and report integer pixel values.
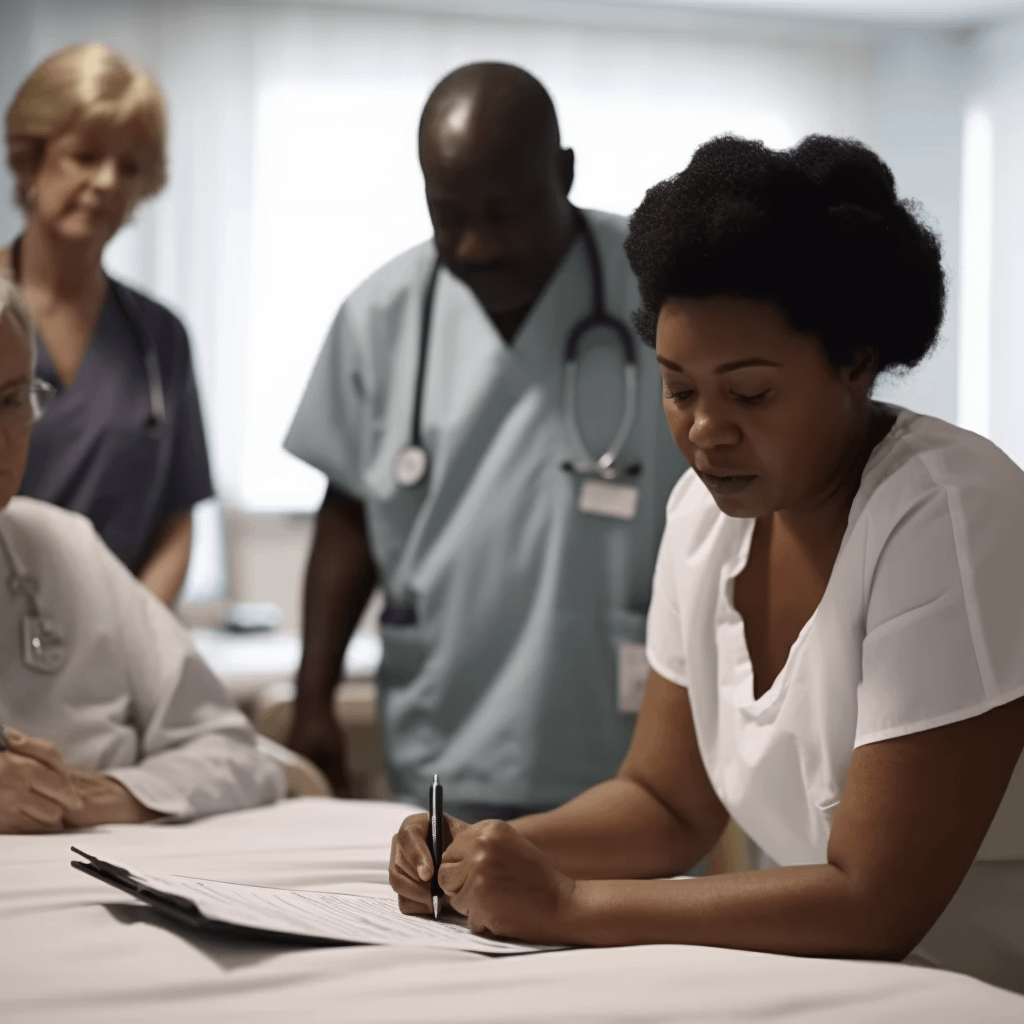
(293, 915)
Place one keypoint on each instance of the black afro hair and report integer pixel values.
(818, 230)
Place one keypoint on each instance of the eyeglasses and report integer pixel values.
(23, 404)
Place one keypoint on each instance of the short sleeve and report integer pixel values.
(327, 430)
(943, 634)
(665, 652)
(189, 479)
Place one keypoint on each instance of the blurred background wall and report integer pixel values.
(293, 175)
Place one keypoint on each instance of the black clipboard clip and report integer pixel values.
(184, 911)
(124, 880)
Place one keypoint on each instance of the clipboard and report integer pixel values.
(184, 911)
(295, 917)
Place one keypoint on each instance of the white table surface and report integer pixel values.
(73, 950)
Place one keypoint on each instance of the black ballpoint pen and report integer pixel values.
(436, 840)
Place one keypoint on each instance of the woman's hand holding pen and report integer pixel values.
(505, 885)
(490, 873)
(411, 867)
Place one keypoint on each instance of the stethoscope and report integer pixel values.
(413, 462)
(157, 419)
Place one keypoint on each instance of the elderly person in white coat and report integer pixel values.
(107, 714)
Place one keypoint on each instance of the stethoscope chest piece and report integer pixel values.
(411, 465)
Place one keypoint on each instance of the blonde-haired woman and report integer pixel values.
(123, 439)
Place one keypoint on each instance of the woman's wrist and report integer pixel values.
(621, 912)
(106, 802)
(574, 922)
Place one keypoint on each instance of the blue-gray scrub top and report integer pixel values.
(92, 452)
(505, 681)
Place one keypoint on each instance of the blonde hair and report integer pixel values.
(88, 83)
(14, 309)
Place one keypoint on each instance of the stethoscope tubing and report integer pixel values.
(421, 369)
(151, 360)
(154, 378)
(605, 464)
(414, 454)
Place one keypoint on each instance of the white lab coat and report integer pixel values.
(921, 625)
(133, 700)
(506, 683)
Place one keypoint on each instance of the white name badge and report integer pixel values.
(633, 671)
(42, 644)
(601, 498)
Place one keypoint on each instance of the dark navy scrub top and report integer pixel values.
(92, 452)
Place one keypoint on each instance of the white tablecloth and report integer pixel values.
(73, 950)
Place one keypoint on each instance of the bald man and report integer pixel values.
(463, 478)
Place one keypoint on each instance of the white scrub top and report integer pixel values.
(506, 682)
(921, 625)
(133, 699)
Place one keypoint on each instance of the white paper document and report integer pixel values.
(302, 913)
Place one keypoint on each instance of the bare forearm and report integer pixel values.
(804, 911)
(165, 569)
(339, 580)
(913, 814)
(618, 829)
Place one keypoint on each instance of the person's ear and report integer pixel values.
(862, 370)
(26, 167)
(567, 169)
(27, 190)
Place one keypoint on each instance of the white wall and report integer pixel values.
(929, 83)
(998, 87)
(921, 79)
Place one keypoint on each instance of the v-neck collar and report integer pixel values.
(548, 306)
(544, 306)
(736, 670)
(731, 622)
(49, 368)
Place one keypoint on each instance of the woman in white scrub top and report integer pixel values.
(107, 714)
(835, 629)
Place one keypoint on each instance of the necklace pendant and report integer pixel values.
(42, 644)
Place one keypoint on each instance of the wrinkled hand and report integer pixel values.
(318, 736)
(505, 886)
(412, 867)
(36, 786)
(104, 802)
